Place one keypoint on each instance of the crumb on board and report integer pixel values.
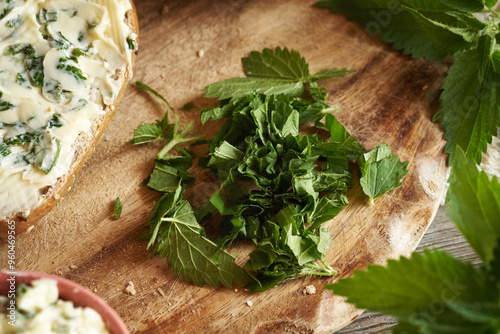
(200, 53)
(249, 303)
(235, 290)
(73, 266)
(130, 289)
(309, 290)
(161, 292)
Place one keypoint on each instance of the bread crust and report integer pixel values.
(85, 145)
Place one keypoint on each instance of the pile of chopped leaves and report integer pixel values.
(276, 186)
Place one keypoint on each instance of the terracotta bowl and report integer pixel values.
(71, 291)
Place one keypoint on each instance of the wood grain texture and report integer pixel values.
(391, 97)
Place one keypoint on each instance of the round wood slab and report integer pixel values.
(391, 97)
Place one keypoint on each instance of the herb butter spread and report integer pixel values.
(60, 67)
(39, 311)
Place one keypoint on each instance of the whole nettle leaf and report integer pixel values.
(381, 171)
(490, 3)
(416, 285)
(468, 296)
(474, 6)
(469, 107)
(271, 73)
(417, 27)
(470, 102)
(168, 172)
(118, 209)
(5, 105)
(473, 202)
(44, 152)
(495, 264)
(5, 150)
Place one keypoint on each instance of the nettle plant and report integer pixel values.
(470, 102)
(433, 292)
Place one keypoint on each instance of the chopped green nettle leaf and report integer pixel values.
(91, 25)
(35, 70)
(470, 102)
(169, 171)
(466, 295)
(4, 105)
(271, 73)
(52, 90)
(13, 23)
(146, 133)
(276, 186)
(22, 139)
(23, 80)
(14, 49)
(44, 16)
(146, 88)
(55, 122)
(77, 52)
(118, 209)
(188, 106)
(44, 152)
(75, 72)
(132, 44)
(42, 149)
(5, 150)
(76, 103)
(33, 64)
(181, 240)
(21, 290)
(473, 6)
(381, 171)
(61, 43)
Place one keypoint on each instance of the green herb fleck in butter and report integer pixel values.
(40, 311)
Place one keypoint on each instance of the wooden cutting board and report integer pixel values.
(185, 45)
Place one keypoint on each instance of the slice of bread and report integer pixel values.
(49, 195)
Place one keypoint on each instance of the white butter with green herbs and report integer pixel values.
(60, 64)
(39, 311)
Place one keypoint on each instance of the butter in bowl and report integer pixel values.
(32, 302)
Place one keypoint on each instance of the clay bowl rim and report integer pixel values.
(70, 291)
